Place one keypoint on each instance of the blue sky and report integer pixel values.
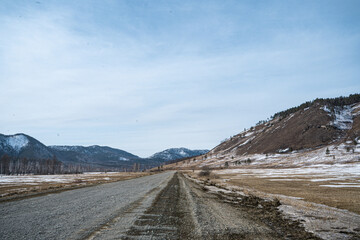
(144, 76)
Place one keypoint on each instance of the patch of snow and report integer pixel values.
(249, 134)
(324, 179)
(123, 159)
(36, 179)
(322, 220)
(216, 189)
(285, 179)
(326, 109)
(65, 148)
(319, 172)
(246, 142)
(283, 150)
(17, 142)
(346, 183)
(182, 152)
(340, 186)
(92, 173)
(356, 110)
(31, 179)
(288, 118)
(343, 118)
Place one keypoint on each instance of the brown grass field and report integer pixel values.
(299, 187)
(32, 185)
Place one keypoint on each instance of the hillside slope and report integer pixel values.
(323, 131)
(318, 125)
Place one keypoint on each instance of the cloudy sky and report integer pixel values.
(144, 76)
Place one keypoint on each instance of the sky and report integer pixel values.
(144, 76)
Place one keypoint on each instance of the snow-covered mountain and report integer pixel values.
(177, 153)
(20, 146)
(23, 146)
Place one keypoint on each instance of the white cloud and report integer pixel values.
(144, 86)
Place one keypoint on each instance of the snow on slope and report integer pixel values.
(343, 118)
(177, 153)
(17, 142)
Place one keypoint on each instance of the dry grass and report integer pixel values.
(299, 187)
(343, 198)
(14, 190)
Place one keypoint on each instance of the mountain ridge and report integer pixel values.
(20, 146)
(177, 153)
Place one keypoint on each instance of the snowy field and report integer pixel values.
(65, 178)
(24, 184)
(35, 179)
(347, 174)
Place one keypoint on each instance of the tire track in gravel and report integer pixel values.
(183, 210)
(168, 218)
(124, 212)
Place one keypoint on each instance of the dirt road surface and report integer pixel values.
(161, 206)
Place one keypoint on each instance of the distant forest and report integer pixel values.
(331, 102)
(21, 166)
(11, 166)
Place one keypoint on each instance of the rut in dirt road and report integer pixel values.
(167, 218)
(183, 210)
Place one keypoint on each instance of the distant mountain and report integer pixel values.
(177, 153)
(97, 155)
(24, 146)
(20, 146)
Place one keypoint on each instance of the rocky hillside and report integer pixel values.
(323, 131)
(309, 126)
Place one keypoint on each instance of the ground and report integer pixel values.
(305, 196)
(20, 186)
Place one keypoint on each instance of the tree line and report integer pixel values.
(12, 166)
(21, 166)
(332, 102)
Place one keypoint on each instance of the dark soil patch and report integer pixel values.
(166, 218)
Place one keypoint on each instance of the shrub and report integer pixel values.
(204, 172)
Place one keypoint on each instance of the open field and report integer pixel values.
(13, 187)
(326, 198)
(333, 185)
(173, 205)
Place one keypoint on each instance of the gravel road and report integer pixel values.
(161, 206)
(81, 213)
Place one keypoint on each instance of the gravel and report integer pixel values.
(81, 213)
